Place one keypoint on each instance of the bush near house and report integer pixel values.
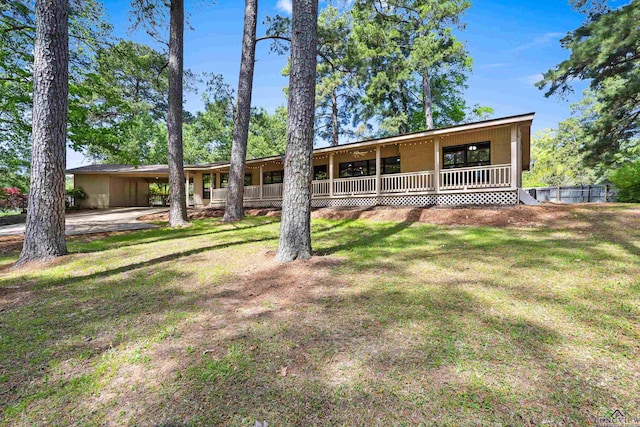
(12, 199)
(627, 181)
(74, 195)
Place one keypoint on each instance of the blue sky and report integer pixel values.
(511, 42)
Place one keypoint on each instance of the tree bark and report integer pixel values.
(428, 102)
(235, 191)
(177, 191)
(44, 234)
(335, 126)
(295, 226)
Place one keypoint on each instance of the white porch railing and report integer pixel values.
(352, 186)
(450, 180)
(219, 194)
(320, 187)
(272, 191)
(252, 192)
(498, 176)
(407, 182)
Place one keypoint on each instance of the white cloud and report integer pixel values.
(496, 65)
(285, 6)
(539, 41)
(531, 79)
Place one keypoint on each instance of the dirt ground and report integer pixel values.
(546, 215)
(10, 244)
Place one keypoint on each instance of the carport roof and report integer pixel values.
(151, 169)
(109, 168)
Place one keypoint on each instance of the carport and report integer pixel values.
(110, 186)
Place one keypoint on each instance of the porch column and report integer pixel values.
(261, 181)
(211, 187)
(519, 157)
(186, 187)
(436, 165)
(514, 156)
(378, 181)
(330, 174)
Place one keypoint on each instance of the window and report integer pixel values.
(368, 167)
(390, 165)
(206, 186)
(357, 168)
(224, 180)
(320, 172)
(274, 177)
(460, 156)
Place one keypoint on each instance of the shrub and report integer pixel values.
(12, 198)
(74, 195)
(627, 181)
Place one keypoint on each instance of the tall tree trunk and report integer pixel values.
(44, 233)
(428, 102)
(235, 191)
(295, 227)
(177, 191)
(335, 126)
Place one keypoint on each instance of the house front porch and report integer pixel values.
(470, 164)
(474, 185)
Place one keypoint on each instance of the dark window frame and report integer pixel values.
(224, 179)
(463, 152)
(320, 169)
(389, 162)
(267, 177)
(370, 164)
(206, 192)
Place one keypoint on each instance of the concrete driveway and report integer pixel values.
(97, 221)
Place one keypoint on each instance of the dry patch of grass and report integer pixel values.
(391, 323)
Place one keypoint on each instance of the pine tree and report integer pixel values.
(44, 236)
(295, 226)
(235, 191)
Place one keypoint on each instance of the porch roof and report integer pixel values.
(163, 169)
(484, 124)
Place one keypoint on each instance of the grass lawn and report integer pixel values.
(9, 213)
(392, 323)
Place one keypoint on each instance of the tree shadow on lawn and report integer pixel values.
(607, 225)
(519, 260)
(395, 246)
(375, 356)
(206, 227)
(357, 351)
(52, 343)
(41, 283)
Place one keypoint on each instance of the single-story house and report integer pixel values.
(475, 163)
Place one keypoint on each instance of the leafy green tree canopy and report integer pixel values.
(88, 32)
(605, 51)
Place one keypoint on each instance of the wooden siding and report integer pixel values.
(500, 139)
(128, 192)
(97, 189)
(197, 188)
(418, 157)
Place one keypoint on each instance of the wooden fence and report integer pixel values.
(574, 194)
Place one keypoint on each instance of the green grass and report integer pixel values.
(9, 213)
(390, 324)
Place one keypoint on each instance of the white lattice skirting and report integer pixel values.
(479, 198)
